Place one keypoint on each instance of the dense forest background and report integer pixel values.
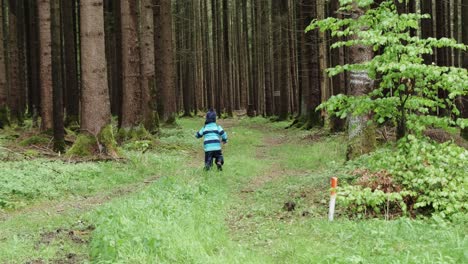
(78, 63)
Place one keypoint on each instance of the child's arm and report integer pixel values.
(199, 134)
(223, 134)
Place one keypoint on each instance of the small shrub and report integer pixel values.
(419, 178)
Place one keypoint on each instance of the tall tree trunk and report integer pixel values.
(361, 135)
(4, 121)
(426, 26)
(284, 69)
(95, 110)
(147, 65)
(113, 44)
(267, 57)
(45, 75)
(56, 34)
(165, 63)
(227, 59)
(339, 82)
(70, 78)
(33, 53)
(464, 103)
(310, 75)
(14, 63)
(131, 100)
(22, 60)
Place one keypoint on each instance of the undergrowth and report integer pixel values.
(415, 178)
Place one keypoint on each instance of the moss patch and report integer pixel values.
(107, 141)
(4, 120)
(363, 143)
(135, 133)
(35, 140)
(85, 145)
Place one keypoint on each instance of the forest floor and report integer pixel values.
(269, 205)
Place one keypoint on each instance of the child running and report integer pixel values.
(212, 143)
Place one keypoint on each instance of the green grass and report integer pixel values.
(237, 216)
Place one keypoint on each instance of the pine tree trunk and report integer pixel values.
(22, 60)
(4, 121)
(267, 57)
(70, 78)
(464, 103)
(113, 42)
(310, 75)
(59, 132)
(227, 58)
(147, 65)
(33, 54)
(95, 104)
(165, 63)
(131, 96)
(14, 63)
(45, 47)
(284, 69)
(339, 82)
(426, 26)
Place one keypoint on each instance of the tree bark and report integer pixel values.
(284, 69)
(310, 75)
(131, 96)
(165, 63)
(147, 65)
(59, 132)
(14, 63)
(95, 110)
(464, 100)
(45, 75)
(227, 58)
(70, 79)
(33, 54)
(361, 135)
(4, 120)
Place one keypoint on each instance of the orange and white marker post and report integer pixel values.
(331, 211)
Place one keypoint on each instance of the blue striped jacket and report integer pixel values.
(212, 133)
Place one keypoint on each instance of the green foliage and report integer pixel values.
(428, 178)
(83, 146)
(35, 140)
(408, 88)
(134, 133)
(4, 117)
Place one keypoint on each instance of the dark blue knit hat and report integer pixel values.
(210, 116)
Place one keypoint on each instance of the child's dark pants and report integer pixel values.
(217, 156)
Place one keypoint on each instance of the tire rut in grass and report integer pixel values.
(81, 204)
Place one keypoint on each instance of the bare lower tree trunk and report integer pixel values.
(45, 47)
(283, 61)
(361, 135)
(14, 63)
(131, 100)
(147, 65)
(464, 100)
(33, 54)
(311, 92)
(4, 121)
(59, 132)
(70, 81)
(95, 110)
(165, 63)
(22, 60)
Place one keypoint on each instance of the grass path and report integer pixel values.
(186, 215)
